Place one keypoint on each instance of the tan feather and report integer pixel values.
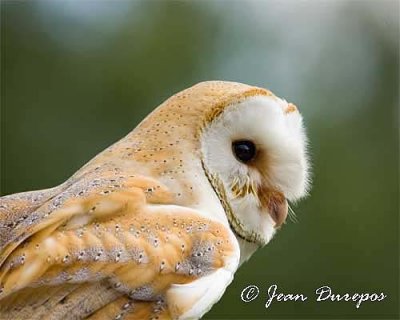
(114, 233)
(136, 244)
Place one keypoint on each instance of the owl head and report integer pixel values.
(254, 155)
(237, 153)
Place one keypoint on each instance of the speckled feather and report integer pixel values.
(124, 228)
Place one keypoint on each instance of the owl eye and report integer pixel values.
(244, 150)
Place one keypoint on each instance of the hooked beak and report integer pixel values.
(274, 203)
(278, 211)
(278, 208)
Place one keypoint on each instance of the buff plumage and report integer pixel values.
(141, 231)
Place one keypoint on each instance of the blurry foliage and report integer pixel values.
(73, 82)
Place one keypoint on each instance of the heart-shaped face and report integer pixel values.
(254, 154)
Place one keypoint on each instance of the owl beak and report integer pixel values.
(274, 203)
(278, 208)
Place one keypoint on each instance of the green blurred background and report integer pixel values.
(78, 75)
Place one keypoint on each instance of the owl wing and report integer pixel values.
(101, 242)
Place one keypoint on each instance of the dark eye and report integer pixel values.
(244, 150)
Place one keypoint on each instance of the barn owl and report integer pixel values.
(155, 226)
